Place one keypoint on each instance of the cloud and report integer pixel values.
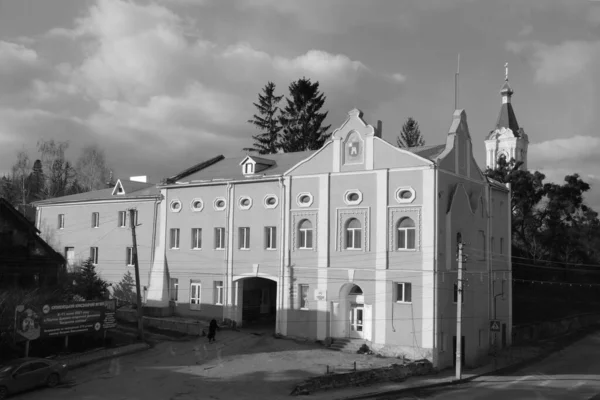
(558, 63)
(558, 158)
(526, 31)
(398, 77)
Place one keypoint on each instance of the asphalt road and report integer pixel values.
(572, 373)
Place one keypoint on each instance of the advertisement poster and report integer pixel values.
(65, 319)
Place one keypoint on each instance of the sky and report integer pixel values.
(162, 85)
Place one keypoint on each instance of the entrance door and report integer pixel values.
(357, 312)
(462, 352)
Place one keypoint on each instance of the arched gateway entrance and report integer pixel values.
(256, 302)
(351, 317)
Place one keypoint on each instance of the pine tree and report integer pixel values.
(266, 142)
(301, 119)
(410, 135)
(124, 291)
(88, 284)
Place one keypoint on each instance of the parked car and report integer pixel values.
(28, 373)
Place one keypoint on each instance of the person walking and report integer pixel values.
(212, 331)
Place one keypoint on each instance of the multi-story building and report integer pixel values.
(357, 239)
(96, 225)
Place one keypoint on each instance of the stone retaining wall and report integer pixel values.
(395, 372)
(525, 333)
(186, 326)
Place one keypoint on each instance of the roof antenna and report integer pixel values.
(456, 83)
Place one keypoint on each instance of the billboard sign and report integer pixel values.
(64, 319)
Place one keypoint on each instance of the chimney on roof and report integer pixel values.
(138, 178)
(379, 131)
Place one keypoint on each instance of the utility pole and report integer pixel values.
(459, 299)
(140, 312)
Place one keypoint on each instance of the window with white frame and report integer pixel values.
(455, 300)
(174, 238)
(245, 203)
(195, 295)
(218, 291)
(303, 296)
(196, 238)
(403, 292)
(244, 238)
(248, 168)
(135, 217)
(95, 219)
(61, 221)
(122, 219)
(305, 234)
(353, 234)
(94, 255)
(219, 238)
(406, 234)
(129, 256)
(270, 237)
(219, 204)
(175, 205)
(174, 289)
(197, 205)
(271, 201)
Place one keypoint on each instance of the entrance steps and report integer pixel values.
(347, 345)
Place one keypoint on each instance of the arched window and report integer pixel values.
(353, 234)
(305, 234)
(406, 234)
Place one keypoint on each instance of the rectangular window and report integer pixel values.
(481, 245)
(174, 238)
(123, 219)
(174, 289)
(403, 292)
(501, 245)
(218, 293)
(455, 300)
(129, 256)
(303, 292)
(135, 217)
(219, 238)
(94, 255)
(270, 238)
(95, 219)
(195, 295)
(61, 221)
(70, 255)
(244, 238)
(196, 238)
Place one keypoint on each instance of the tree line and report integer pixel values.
(53, 175)
(299, 124)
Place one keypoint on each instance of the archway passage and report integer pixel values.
(259, 302)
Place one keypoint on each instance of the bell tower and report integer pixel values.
(507, 138)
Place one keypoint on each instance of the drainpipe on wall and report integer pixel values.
(489, 255)
(281, 279)
(153, 246)
(228, 286)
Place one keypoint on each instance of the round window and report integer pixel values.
(405, 194)
(220, 203)
(197, 204)
(353, 196)
(175, 205)
(245, 202)
(305, 199)
(271, 201)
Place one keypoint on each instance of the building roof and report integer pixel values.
(429, 152)
(133, 190)
(506, 117)
(228, 168)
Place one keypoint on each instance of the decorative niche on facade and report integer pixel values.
(197, 205)
(304, 199)
(353, 197)
(405, 194)
(175, 205)
(245, 203)
(219, 204)
(271, 201)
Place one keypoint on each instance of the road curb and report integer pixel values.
(565, 341)
(104, 355)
